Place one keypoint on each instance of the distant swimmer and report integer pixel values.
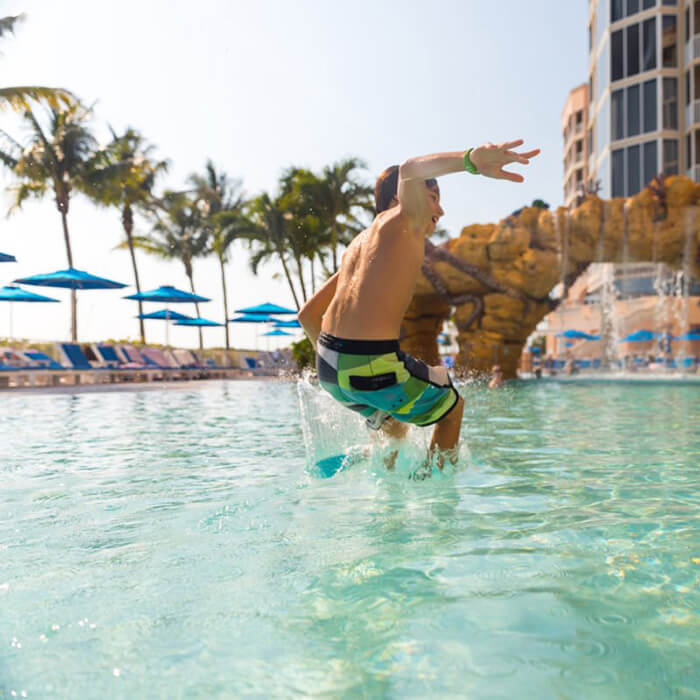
(355, 318)
(497, 380)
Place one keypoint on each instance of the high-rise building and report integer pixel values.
(574, 127)
(644, 66)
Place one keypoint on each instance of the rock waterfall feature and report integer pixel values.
(495, 280)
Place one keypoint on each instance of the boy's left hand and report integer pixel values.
(490, 159)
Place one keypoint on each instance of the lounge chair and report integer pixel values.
(76, 360)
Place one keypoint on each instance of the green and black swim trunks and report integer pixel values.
(377, 380)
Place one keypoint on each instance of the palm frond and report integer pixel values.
(7, 24)
(25, 191)
(21, 98)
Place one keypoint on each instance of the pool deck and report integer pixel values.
(133, 386)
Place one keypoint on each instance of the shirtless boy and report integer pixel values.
(355, 318)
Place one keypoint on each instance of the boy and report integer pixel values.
(355, 318)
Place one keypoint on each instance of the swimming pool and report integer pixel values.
(172, 544)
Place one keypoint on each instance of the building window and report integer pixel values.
(696, 17)
(616, 10)
(668, 2)
(632, 7)
(590, 88)
(590, 38)
(671, 156)
(618, 116)
(634, 118)
(670, 104)
(634, 170)
(688, 152)
(616, 56)
(687, 24)
(687, 88)
(650, 165)
(648, 4)
(618, 173)
(649, 113)
(649, 44)
(632, 49)
(668, 42)
(590, 141)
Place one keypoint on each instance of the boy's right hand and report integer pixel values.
(490, 159)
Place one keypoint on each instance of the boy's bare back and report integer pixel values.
(377, 278)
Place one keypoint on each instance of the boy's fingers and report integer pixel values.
(513, 177)
(530, 154)
(512, 144)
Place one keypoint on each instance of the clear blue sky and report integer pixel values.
(259, 86)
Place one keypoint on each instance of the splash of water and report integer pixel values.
(337, 440)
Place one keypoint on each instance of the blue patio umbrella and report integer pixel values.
(254, 318)
(164, 315)
(691, 335)
(4, 257)
(573, 334)
(13, 294)
(167, 294)
(640, 336)
(288, 324)
(266, 308)
(72, 279)
(277, 331)
(198, 322)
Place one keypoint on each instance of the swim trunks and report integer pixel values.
(378, 381)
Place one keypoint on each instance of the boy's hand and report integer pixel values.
(490, 158)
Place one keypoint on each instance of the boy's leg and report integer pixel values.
(446, 431)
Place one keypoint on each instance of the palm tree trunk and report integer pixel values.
(196, 306)
(223, 286)
(73, 298)
(289, 278)
(300, 272)
(334, 244)
(128, 224)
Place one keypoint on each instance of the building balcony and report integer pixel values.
(692, 113)
(692, 49)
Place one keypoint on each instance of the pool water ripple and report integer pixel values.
(175, 544)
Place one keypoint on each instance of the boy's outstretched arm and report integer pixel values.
(489, 160)
(311, 314)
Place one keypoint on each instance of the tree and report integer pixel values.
(338, 199)
(269, 236)
(123, 176)
(219, 195)
(19, 98)
(309, 234)
(178, 233)
(53, 160)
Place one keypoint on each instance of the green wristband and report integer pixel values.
(468, 165)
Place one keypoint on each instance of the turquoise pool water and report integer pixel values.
(172, 544)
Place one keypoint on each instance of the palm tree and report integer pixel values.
(270, 236)
(18, 98)
(308, 232)
(124, 177)
(179, 232)
(222, 203)
(338, 199)
(54, 160)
